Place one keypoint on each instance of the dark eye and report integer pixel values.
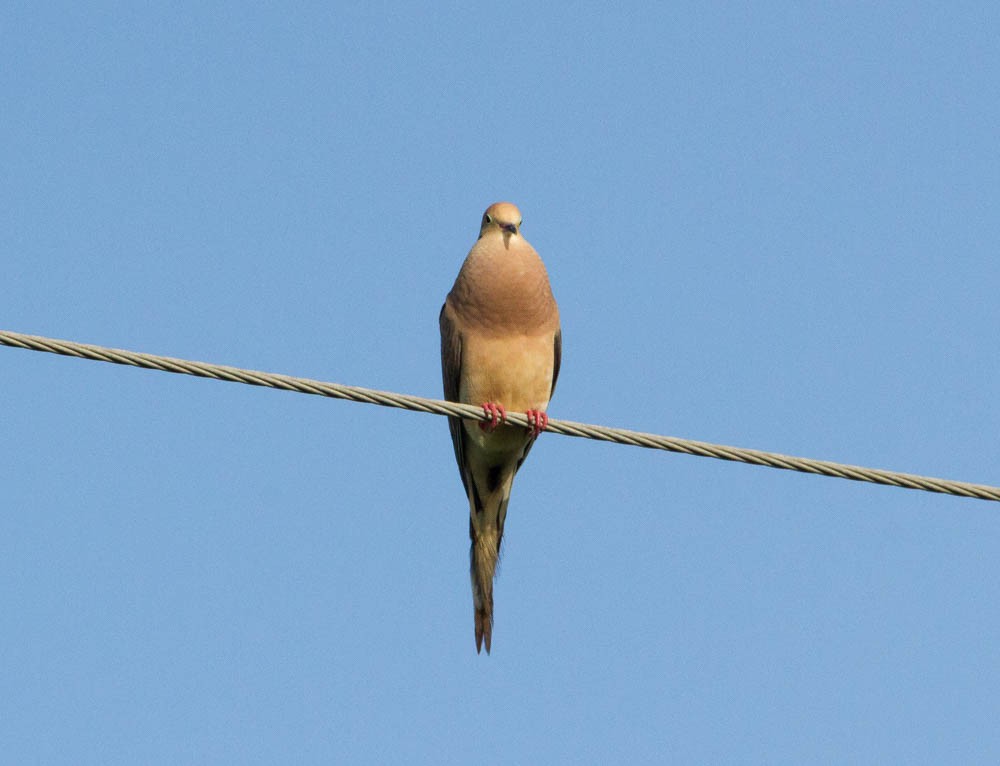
(487, 218)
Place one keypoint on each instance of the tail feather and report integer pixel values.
(483, 556)
(484, 629)
(489, 493)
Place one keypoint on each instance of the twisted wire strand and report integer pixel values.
(470, 412)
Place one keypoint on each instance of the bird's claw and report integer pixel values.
(495, 415)
(538, 420)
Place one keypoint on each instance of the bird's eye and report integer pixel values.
(487, 218)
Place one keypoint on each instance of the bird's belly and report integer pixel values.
(514, 373)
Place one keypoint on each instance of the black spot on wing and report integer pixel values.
(477, 500)
(493, 477)
(451, 355)
(451, 375)
(557, 351)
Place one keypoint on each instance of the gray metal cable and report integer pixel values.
(438, 407)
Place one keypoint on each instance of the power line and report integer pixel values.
(470, 412)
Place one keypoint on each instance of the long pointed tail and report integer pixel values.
(483, 556)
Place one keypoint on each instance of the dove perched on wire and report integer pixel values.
(500, 348)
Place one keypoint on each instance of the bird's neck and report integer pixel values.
(502, 288)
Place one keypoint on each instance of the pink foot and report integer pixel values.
(495, 413)
(539, 422)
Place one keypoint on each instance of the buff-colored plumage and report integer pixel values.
(500, 348)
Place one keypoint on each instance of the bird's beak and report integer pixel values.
(508, 230)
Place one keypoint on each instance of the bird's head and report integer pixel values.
(503, 218)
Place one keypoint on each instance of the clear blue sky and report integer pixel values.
(773, 225)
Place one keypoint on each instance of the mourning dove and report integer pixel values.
(500, 348)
